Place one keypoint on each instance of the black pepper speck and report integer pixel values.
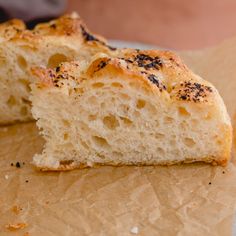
(17, 164)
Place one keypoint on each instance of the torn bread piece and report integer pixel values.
(48, 44)
(138, 108)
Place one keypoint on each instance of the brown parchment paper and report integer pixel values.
(192, 199)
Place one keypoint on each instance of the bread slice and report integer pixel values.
(48, 44)
(135, 108)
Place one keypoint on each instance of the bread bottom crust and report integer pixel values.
(16, 122)
(71, 165)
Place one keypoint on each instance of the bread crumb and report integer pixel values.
(134, 230)
(6, 176)
(13, 227)
(26, 234)
(16, 209)
(89, 164)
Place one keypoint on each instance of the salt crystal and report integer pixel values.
(134, 230)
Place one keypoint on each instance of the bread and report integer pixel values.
(133, 108)
(48, 44)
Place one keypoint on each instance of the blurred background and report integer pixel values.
(174, 24)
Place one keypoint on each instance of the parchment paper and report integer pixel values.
(194, 199)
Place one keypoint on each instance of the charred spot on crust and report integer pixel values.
(155, 81)
(193, 91)
(148, 62)
(58, 69)
(101, 65)
(53, 26)
(89, 37)
(60, 75)
(145, 61)
(110, 47)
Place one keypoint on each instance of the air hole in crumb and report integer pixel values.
(126, 120)
(183, 111)
(189, 142)
(25, 83)
(22, 62)
(100, 142)
(110, 122)
(65, 136)
(160, 151)
(124, 96)
(208, 116)
(168, 120)
(140, 104)
(85, 145)
(159, 135)
(219, 142)
(56, 59)
(98, 85)
(66, 162)
(26, 101)
(117, 154)
(2, 61)
(66, 123)
(11, 101)
(124, 109)
(169, 88)
(101, 156)
(24, 111)
(117, 85)
(92, 117)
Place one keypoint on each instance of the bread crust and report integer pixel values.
(160, 73)
(69, 27)
(73, 166)
(67, 36)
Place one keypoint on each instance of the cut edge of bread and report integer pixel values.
(104, 69)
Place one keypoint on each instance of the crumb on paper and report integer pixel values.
(6, 176)
(17, 165)
(134, 230)
(13, 227)
(26, 234)
(89, 164)
(16, 209)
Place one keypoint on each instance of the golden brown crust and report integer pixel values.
(11, 28)
(157, 71)
(70, 27)
(72, 165)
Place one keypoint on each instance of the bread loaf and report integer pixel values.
(48, 44)
(132, 108)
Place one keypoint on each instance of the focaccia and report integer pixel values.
(48, 44)
(132, 108)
